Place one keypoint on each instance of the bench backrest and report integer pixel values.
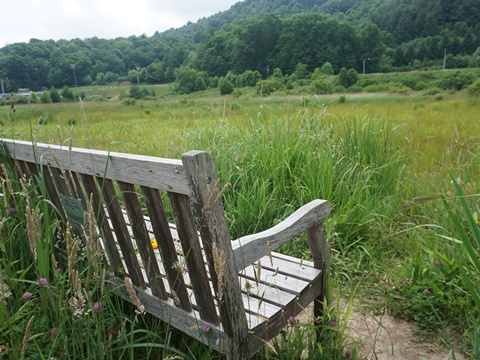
(118, 186)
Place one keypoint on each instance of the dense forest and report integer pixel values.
(260, 36)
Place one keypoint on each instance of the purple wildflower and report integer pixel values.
(426, 291)
(400, 281)
(348, 354)
(291, 320)
(333, 323)
(53, 332)
(437, 263)
(58, 270)
(97, 307)
(10, 210)
(27, 295)
(205, 328)
(42, 281)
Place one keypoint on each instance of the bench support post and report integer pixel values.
(321, 260)
(207, 202)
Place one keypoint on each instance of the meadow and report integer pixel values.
(399, 170)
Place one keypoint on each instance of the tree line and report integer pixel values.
(381, 36)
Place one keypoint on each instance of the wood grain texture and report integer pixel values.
(192, 252)
(142, 238)
(249, 249)
(207, 202)
(164, 174)
(121, 232)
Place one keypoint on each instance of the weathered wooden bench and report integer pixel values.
(232, 295)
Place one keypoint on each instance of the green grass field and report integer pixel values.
(384, 161)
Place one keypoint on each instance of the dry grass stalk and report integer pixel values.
(34, 230)
(5, 204)
(60, 141)
(211, 202)
(77, 301)
(7, 180)
(93, 249)
(72, 247)
(84, 118)
(219, 263)
(27, 336)
(269, 251)
(133, 295)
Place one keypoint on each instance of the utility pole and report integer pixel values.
(73, 67)
(444, 58)
(364, 65)
(138, 78)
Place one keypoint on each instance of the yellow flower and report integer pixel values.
(154, 243)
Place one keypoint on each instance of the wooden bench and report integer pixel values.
(231, 295)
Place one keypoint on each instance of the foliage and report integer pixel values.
(474, 89)
(321, 87)
(269, 86)
(456, 80)
(68, 94)
(185, 77)
(327, 69)
(45, 97)
(54, 95)
(225, 86)
(200, 84)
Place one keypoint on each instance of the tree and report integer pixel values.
(225, 86)
(67, 94)
(54, 95)
(352, 77)
(45, 97)
(327, 69)
(185, 78)
(342, 79)
(301, 71)
(200, 84)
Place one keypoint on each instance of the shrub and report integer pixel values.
(33, 98)
(456, 80)
(200, 84)
(95, 98)
(342, 99)
(340, 89)
(432, 91)
(54, 95)
(474, 89)
(269, 86)
(327, 69)
(225, 86)
(45, 98)
(67, 94)
(321, 87)
(20, 99)
(128, 101)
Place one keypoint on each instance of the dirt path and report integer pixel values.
(385, 337)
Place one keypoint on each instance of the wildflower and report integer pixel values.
(400, 281)
(381, 282)
(304, 354)
(53, 332)
(426, 291)
(205, 328)
(405, 203)
(97, 307)
(437, 263)
(371, 227)
(291, 320)
(58, 270)
(333, 323)
(334, 240)
(438, 249)
(10, 210)
(42, 281)
(470, 231)
(4, 290)
(348, 354)
(27, 295)
(385, 288)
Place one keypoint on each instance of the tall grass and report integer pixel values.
(275, 165)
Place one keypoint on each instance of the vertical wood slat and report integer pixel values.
(321, 260)
(192, 251)
(121, 232)
(206, 198)
(161, 230)
(102, 222)
(142, 238)
(49, 186)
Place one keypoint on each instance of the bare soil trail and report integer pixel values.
(383, 337)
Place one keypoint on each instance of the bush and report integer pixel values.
(321, 87)
(95, 98)
(456, 80)
(20, 99)
(128, 101)
(54, 95)
(67, 94)
(225, 86)
(200, 84)
(45, 98)
(33, 98)
(432, 91)
(474, 89)
(269, 86)
(340, 89)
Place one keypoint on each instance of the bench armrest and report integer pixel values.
(250, 248)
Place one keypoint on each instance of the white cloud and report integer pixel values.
(22, 20)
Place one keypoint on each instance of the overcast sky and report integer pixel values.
(21, 20)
